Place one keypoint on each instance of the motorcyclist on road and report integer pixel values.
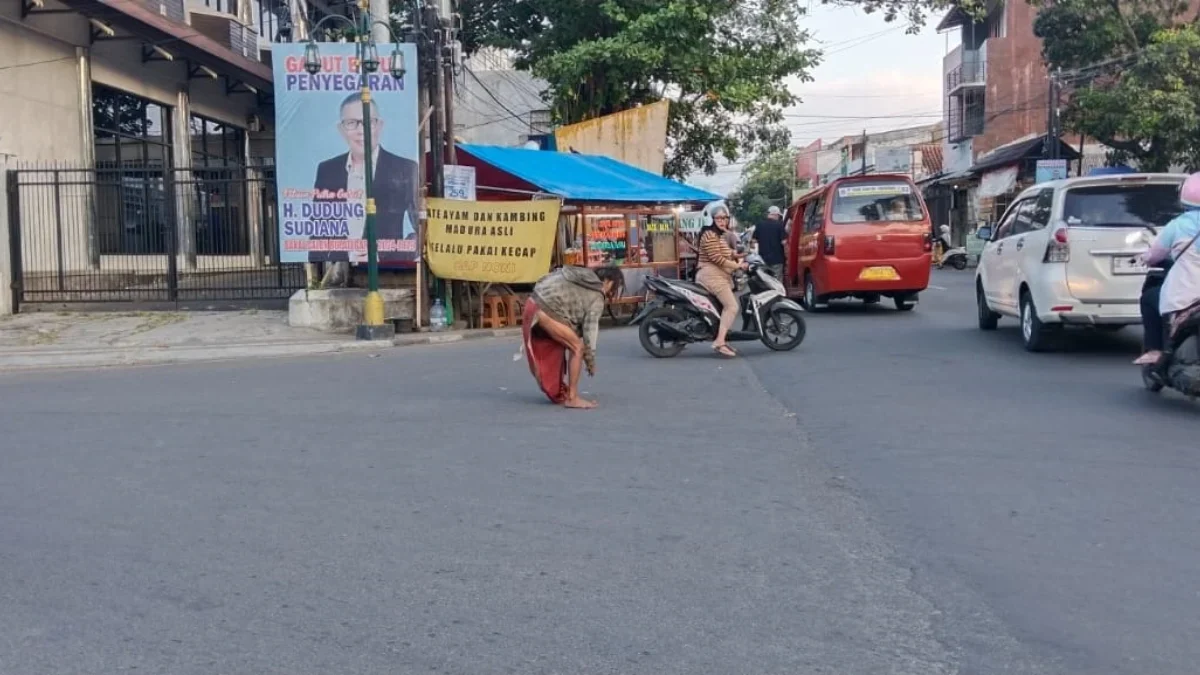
(718, 262)
(944, 239)
(1182, 285)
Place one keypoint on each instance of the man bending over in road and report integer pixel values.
(563, 315)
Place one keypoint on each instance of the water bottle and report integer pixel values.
(437, 316)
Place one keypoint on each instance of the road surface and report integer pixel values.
(901, 495)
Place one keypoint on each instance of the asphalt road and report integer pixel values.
(901, 495)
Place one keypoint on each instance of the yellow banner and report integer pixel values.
(498, 242)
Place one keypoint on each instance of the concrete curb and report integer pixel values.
(43, 359)
(455, 336)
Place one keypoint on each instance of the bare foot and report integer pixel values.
(579, 403)
(1149, 358)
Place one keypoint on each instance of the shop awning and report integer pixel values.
(1034, 148)
(584, 178)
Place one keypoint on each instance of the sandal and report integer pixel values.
(725, 351)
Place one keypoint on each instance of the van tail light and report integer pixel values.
(928, 243)
(1059, 249)
(829, 244)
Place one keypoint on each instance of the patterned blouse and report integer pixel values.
(715, 251)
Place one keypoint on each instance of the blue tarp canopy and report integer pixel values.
(572, 176)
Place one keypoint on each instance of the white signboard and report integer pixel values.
(460, 182)
(1050, 169)
(893, 160)
(881, 190)
(690, 222)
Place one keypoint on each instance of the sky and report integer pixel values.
(871, 69)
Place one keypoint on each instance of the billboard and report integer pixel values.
(637, 137)
(320, 152)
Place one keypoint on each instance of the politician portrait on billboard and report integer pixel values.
(321, 154)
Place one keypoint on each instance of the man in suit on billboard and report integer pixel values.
(394, 184)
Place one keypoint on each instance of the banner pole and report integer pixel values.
(372, 327)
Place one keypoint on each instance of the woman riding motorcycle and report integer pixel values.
(718, 262)
(1183, 284)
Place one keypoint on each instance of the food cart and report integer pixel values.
(613, 213)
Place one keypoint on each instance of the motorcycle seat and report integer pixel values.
(700, 290)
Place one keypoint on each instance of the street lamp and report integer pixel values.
(372, 327)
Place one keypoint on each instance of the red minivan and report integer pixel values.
(864, 237)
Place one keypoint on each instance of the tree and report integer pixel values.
(915, 12)
(724, 65)
(1136, 71)
(768, 181)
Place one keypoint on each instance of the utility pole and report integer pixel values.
(1052, 130)
(864, 157)
(448, 76)
(437, 99)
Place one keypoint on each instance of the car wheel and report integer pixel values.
(988, 319)
(812, 302)
(1034, 333)
(903, 304)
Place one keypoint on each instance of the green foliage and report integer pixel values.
(723, 64)
(767, 180)
(916, 12)
(1135, 67)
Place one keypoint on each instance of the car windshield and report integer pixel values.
(1122, 205)
(876, 201)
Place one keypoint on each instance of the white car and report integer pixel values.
(1059, 255)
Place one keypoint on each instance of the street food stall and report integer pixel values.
(612, 214)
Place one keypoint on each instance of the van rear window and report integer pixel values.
(870, 202)
(1129, 205)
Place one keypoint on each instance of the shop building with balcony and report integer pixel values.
(996, 101)
(137, 131)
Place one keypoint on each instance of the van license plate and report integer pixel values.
(878, 274)
(1127, 265)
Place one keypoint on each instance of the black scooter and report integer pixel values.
(1179, 366)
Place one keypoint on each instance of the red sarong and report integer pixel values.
(547, 358)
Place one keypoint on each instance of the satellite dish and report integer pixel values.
(532, 145)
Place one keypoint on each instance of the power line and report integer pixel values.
(862, 117)
(1017, 108)
(498, 101)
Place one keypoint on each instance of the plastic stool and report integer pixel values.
(492, 312)
(516, 309)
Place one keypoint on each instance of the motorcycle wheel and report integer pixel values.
(959, 263)
(653, 342)
(777, 316)
(1151, 381)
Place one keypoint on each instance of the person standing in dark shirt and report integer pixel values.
(770, 235)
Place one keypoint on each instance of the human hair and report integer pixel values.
(356, 98)
(712, 221)
(615, 275)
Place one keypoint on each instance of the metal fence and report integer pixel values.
(147, 236)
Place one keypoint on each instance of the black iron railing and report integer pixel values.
(967, 74)
(146, 234)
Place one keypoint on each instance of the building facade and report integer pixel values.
(138, 138)
(997, 107)
(996, 85)
(496, 104)
(896, 151)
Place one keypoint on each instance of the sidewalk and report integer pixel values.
(90, 340)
